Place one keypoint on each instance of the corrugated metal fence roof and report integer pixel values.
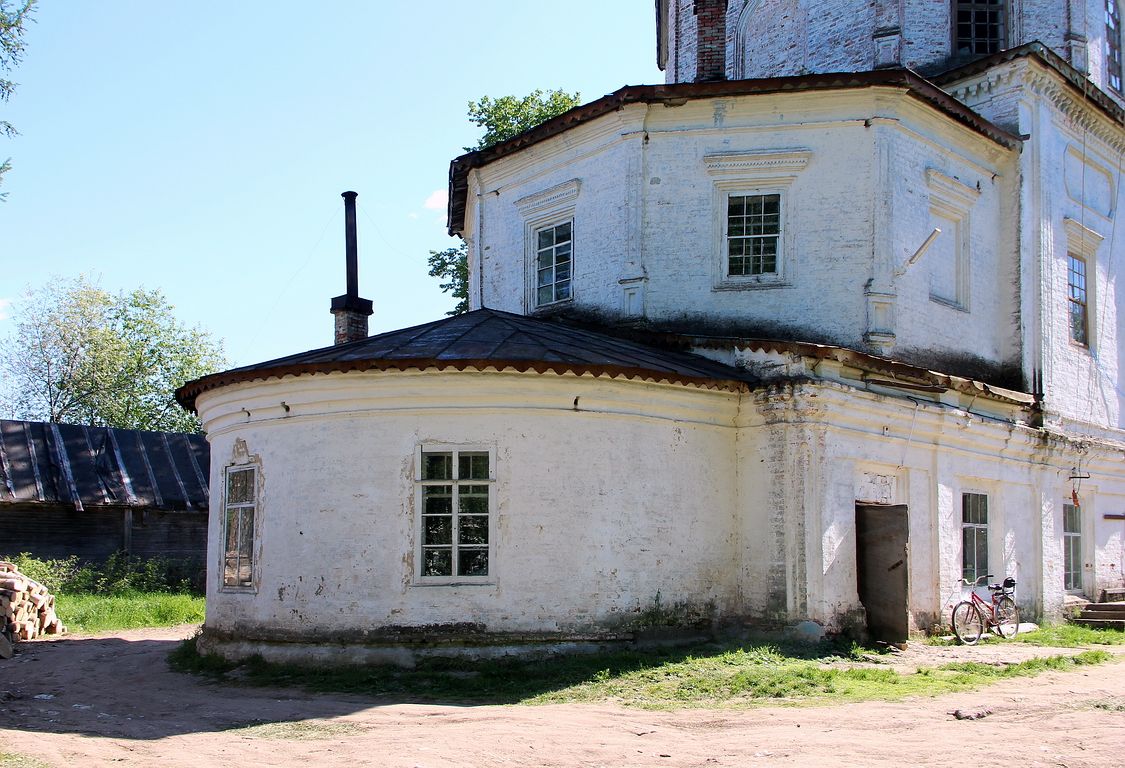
(86, 467)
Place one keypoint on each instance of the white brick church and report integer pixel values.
(812, 331)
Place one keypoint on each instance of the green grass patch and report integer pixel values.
(12, 760)
(1072, 636)
(704, 676)
(301, 730)
(100, 613)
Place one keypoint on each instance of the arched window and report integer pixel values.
(979, 27)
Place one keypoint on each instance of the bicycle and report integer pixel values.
(971, 616)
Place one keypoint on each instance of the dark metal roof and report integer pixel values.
(87, 467)
(487, 338)
(676, 93)
(1075, 79)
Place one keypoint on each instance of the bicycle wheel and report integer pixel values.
(1007, 617)
(967, 622)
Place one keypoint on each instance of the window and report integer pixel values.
(554, 259)
(752, 248)
(1076, 299)
(974, 536)
(240, 506)
(1113, 45)
(455, 494)
(753, 232)
(979, 27)
(1072, 548)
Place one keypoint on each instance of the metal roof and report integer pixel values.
(488, 338)
(1079, 82)
(88, 467)
(914, 85)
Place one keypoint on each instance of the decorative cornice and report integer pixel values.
(1081, 239)
(950, 191)
(771, 162)
(1061, 95)
(548, 198)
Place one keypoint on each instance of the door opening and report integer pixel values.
(882, 570)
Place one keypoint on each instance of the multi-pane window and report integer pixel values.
(1113, 44)
(974, 536)
(1076, 299)
(753, 233)
(455, 488)
(554, 259)
(979, 27)
(1072, 547)
(240, 507)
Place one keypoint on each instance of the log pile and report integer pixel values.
(27, 608)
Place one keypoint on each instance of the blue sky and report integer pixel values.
(201, 147)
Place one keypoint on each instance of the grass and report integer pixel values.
(12, 760)
(704, 676)
(1057, 636)
(99, 613)
(1072, 636)
(303, 730)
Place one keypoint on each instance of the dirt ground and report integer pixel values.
(110, 700)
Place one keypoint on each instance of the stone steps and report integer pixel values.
(1103, 615)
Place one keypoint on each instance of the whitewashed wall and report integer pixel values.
(602, 512)
(855, 172)
(773, 38)
(1070, 198)
(647, 495)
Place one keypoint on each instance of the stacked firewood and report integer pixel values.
(27, 608)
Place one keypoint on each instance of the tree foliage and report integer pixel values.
(81, 355)
(510, 116)
(501, 119)
(452, 265)
(13, 19)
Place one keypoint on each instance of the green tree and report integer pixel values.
(510, 116)
(452, 265)
(501, 119)
(12, 21)
(81, 355)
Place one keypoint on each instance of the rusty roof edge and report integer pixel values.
(187, 394)
(915, 84)
(1053, 61)
(864, 360)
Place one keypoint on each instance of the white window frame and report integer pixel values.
(542, 210)
(1115, 36)
(1081, 243)
(978, 527)
(419, 513)
(250, 465)
(766, 172)
(1073, 568)
(534, 267)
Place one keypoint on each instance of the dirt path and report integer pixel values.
(111, 701)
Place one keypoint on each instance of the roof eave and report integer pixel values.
(915, 85)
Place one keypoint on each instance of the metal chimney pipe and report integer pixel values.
(350, 310)
(351, 247)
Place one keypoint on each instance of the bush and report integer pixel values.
(121, 574)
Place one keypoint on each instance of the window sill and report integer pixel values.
(436, 581)
(950, 303)
(238, 590)
(751, 284)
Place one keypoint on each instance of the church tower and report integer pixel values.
(775, 38)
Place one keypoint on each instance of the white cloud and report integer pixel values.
(438, 200)
(411, 216)
(5, 307)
